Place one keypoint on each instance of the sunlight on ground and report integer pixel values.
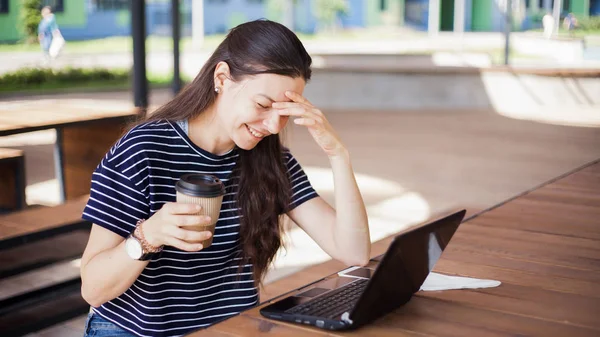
(584, 116)
(390, 208)
(544, 99)
(44, 193)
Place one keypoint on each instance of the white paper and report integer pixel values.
(436, 282)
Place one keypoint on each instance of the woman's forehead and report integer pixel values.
(274, 86)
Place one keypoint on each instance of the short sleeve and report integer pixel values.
(53, 25)
(116, 202)
(302, 190)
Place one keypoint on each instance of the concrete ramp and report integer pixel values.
(532, 94)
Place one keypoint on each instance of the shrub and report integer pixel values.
(36, 76)
(30, 17)
(589, 23)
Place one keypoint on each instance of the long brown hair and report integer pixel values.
(264, 191)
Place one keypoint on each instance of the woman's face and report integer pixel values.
(245, 107)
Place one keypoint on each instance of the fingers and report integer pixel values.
(302, 112)
(183, 245)
(305, 121)
(296, 97)
(181, 208)
(189, 236)
(191, 220)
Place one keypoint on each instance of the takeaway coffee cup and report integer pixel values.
(205, 190)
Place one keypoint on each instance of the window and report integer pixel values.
(4, 6)
(110, 5)
(56, 5)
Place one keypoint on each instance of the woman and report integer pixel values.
(47, 30)
(226, 122)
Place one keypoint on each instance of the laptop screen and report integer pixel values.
(405, 266)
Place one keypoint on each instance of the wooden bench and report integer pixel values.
(12, 179)
(41, 222)
(85, 130)
(39, 281)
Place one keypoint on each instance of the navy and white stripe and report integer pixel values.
(179, 291)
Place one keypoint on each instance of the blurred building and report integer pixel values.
(87, 19)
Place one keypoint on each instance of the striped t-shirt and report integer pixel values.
(179, 291)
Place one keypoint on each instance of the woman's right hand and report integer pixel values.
(169, 226)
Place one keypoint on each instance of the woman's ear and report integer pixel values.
(222, 74)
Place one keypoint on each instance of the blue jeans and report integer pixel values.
(96, 326)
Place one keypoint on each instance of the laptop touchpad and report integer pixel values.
(313, 292)
(359, 272)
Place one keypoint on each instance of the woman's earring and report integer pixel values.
(217, 90)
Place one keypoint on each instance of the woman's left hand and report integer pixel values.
(314, 120)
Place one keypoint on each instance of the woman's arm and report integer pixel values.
(351, 230)
(106, 269)
(344, 232)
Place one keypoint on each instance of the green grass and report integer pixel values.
(57, 87)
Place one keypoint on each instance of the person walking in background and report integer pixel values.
(570, 23)
(49, 35)
(548, 25)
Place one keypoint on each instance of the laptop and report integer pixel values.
(359, 295)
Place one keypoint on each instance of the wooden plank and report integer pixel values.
(83, 147)
(12, 179)
(254, 326)
(546, 305)
(37, 117)
(535, 221)
(526, 251)
(10, 153)
(40, 219)
(513, 234)
(401, 322)
(8, 185)
(43, 252)
(518, 277)
(27, 118)
(515, 325)
(547, 269)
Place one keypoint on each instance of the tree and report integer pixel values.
(282, 11)
(30, 17)
(327, 11)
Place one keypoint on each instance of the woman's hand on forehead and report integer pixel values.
(314, 119)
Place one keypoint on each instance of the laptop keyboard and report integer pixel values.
(334, 303)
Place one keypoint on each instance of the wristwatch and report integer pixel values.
(136, 246)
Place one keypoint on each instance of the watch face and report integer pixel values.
(133, 248)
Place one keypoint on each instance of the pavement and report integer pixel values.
(470, 49)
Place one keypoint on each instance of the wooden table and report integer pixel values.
(85, 131)
(544, 246)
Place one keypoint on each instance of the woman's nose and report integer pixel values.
(274, 122)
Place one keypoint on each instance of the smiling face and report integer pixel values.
(244, 107)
